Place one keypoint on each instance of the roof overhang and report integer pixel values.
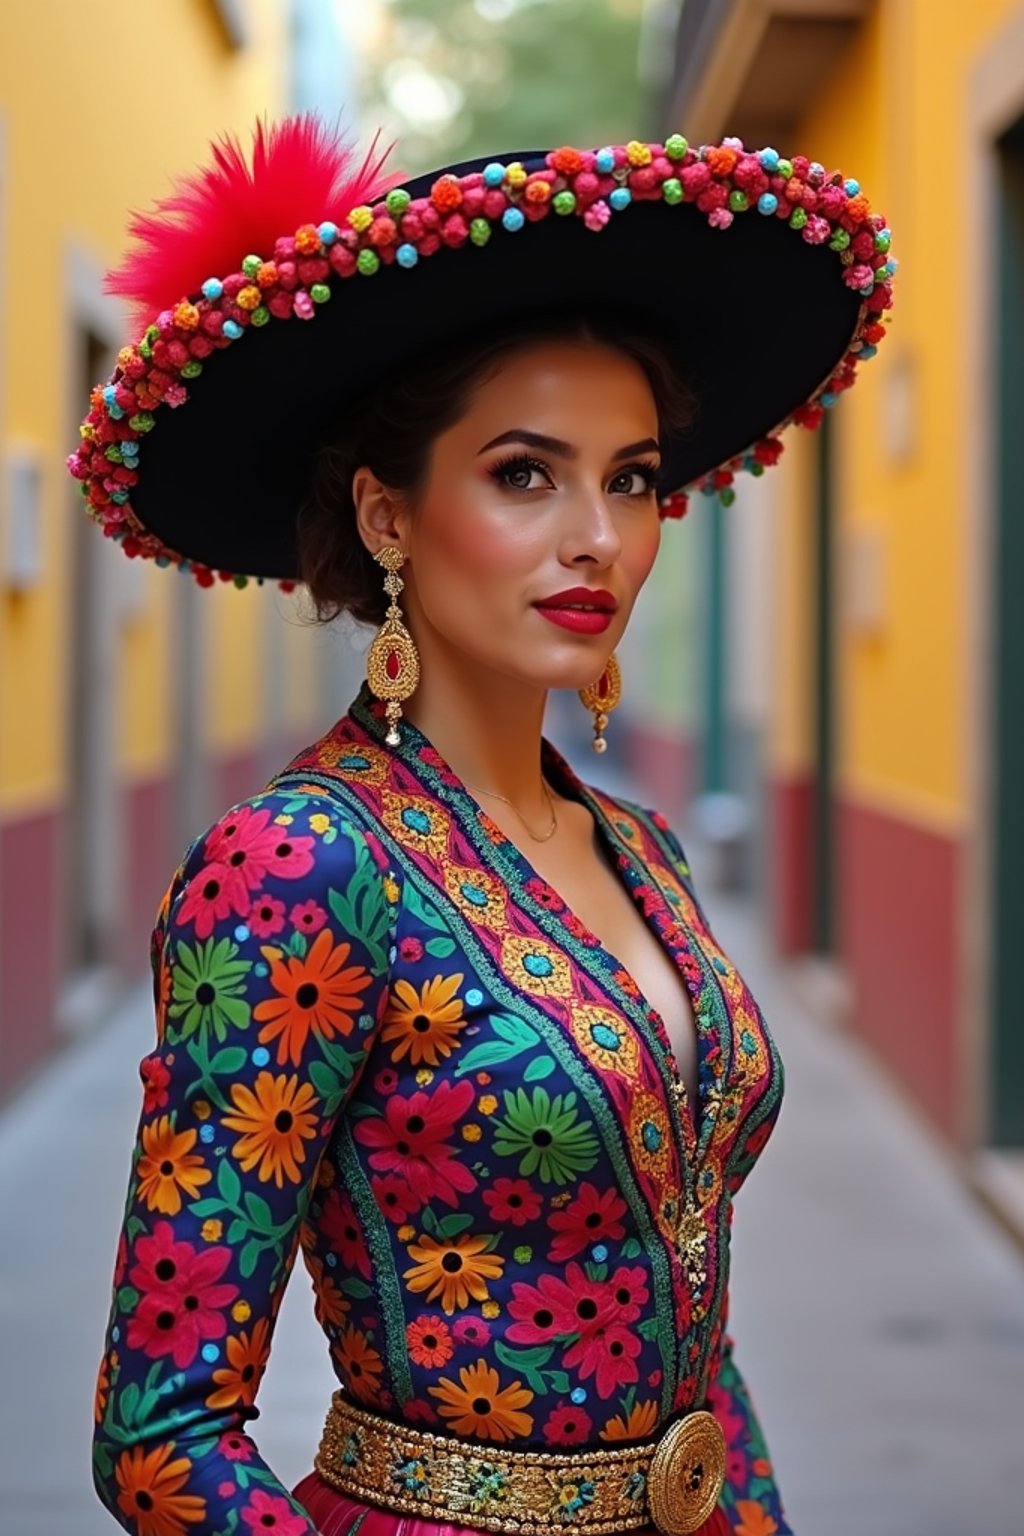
(749, 67)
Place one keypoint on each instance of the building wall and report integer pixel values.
(892, 115)
(96, 113)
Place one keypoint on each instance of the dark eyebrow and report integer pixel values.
(563, 450)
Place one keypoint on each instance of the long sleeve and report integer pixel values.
(270, 960)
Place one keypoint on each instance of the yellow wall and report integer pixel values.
(100, 105)
(889, 117)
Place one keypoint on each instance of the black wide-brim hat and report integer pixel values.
(274, 296)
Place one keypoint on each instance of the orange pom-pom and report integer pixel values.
(567, 161)
(185, 316)
(721, 160)
(446, 194)
(307, 240)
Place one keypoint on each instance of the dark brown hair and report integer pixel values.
(394, 430)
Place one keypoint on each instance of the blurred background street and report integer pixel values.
(822, 692)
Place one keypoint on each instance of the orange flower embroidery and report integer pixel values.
(318, 993)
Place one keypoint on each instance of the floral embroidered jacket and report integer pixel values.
(384, 1041)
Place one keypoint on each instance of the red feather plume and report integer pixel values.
(303, 171)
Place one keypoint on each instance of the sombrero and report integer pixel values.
(273, 294)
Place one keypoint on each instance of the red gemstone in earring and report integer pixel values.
(393, 665)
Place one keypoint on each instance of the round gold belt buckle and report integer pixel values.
(687, 1473)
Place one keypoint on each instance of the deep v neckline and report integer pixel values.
(505, 859)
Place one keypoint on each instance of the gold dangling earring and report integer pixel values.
(601, 698)
(392, 662)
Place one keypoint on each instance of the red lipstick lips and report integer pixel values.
(586, 610)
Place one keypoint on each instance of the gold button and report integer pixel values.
(687, 1474)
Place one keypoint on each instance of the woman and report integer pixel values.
(429, 1008)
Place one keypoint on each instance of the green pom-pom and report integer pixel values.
(798, 218)
(320, 292)
(479, 231)
(738, 201)
(260, 315)
(757, 469)
(785, 169)
(727, 496)
(397, 200)
(240, 581)
(367, 261)
(142, 421)
(192, 369)
(676, 146)
(564, 202)
(840, 240)
(152, 334)
(672, 190)
(145, 350)
(251, 266)
(883, 240)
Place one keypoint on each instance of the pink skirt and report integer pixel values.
(335, 1514)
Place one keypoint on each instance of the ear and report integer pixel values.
(380, 516)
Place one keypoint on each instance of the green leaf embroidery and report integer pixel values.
(228, 1182)
(440, 948)
(514, 1037)
(355, 1288)
(451, 1226)
(259, 1211)
(540, 1066)
(527, 1361)
(249, 1258)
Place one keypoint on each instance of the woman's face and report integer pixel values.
(539, 506)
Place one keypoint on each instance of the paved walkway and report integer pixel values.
(879, 1315)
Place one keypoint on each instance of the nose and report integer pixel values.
(591, 534)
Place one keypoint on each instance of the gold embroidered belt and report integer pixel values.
(673, 1482)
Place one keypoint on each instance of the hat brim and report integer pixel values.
(755, 319)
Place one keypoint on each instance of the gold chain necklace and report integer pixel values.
(547, 794)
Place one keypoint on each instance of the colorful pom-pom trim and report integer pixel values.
(723, 180)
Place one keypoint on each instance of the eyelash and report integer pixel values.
(500, 471)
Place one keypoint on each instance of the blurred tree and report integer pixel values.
(455, 78)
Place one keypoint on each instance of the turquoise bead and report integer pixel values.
(604, 161)
(212, 288)
(513, 219)
(232, 330)
(767, 203)
(328, 232)
(494, 174)
(769, 159)
(407, 255)
(620, 198)
(852, 187)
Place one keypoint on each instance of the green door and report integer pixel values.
(1007, 1085)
